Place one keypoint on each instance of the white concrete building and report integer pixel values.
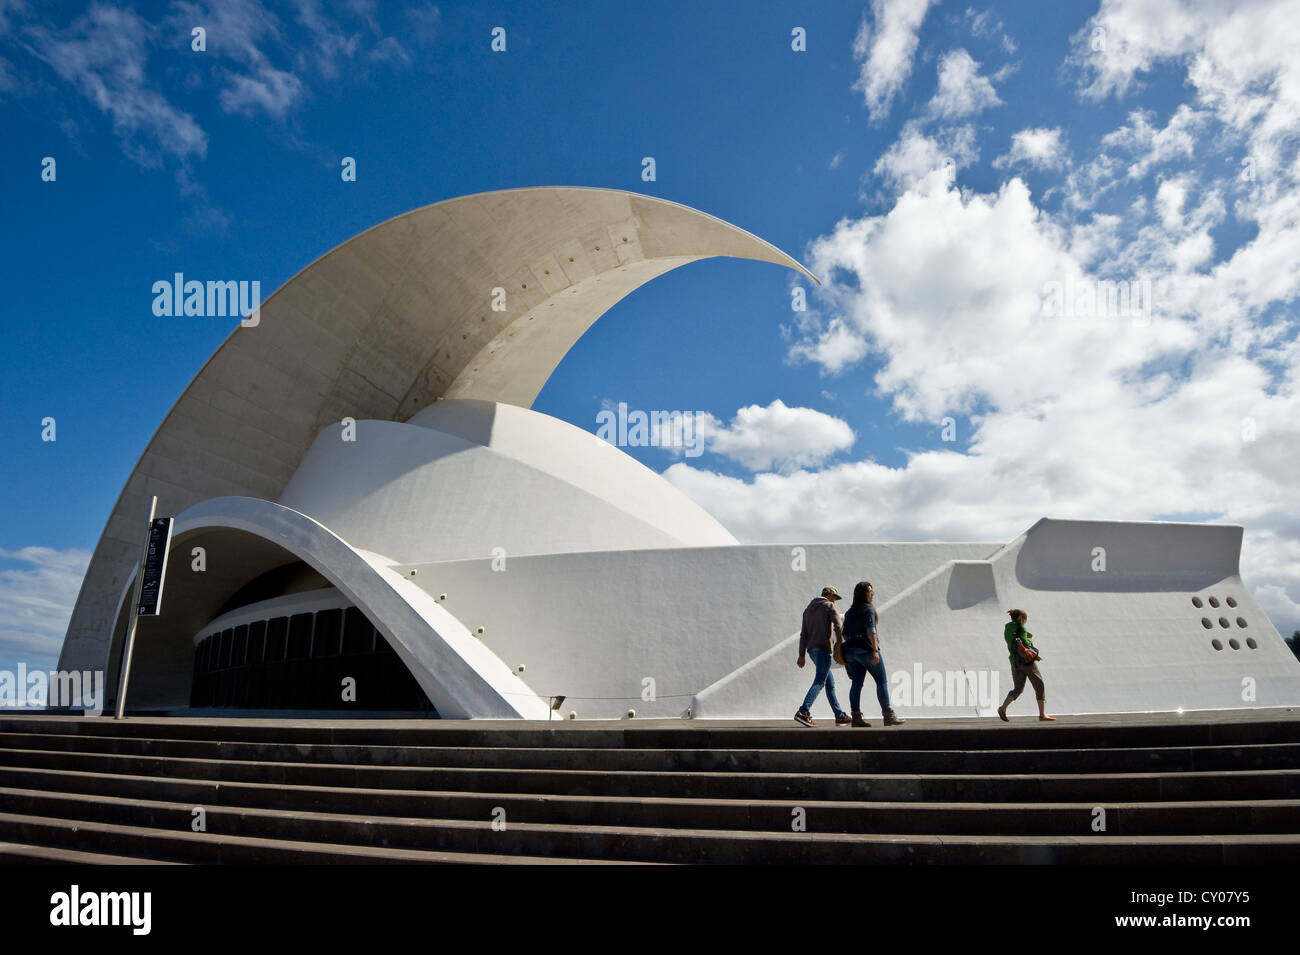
(374, 501)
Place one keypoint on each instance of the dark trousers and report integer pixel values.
(858, 662)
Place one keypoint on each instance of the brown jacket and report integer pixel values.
(820, 619)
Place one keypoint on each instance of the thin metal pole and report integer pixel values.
(135, 613)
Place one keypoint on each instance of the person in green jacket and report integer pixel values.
(1015, 633)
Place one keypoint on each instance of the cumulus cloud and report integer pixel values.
(835, 347)
(1150, 146)
(962, 91)
(36, 599)
(1038, 148)
(1239, 57)
(918, 154)
(776, 437)
(1189, 405)
(885, 45)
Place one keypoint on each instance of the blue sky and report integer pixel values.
(937, 164)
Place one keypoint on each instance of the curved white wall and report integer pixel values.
(466, 478)
(381, 326)
(459, 674)
(712, 626)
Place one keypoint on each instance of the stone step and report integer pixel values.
(1020, 733)
(1098, 788)
(257, 835)
(150, 844)
(1162, 759)
(67, 792)
(15, 854)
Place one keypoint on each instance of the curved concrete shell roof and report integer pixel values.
(383, 325)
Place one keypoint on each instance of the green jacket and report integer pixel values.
(1015, 630)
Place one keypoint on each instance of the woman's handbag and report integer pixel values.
(1027, 654)
(837, 652)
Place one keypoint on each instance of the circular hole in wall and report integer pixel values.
(1217, 644)
(1205, 622)
(1214, 601)
(1241, 622)
(1232, 601)
(1196, 602)
(1223, 622)
(1234, 644)
(1250, 642)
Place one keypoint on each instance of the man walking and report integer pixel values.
(820, 621)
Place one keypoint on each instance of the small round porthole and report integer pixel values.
(1197, 603)
(1205, 622)
(1241, 622)
(1214, 601)
(1232, 601)
(1223, 622)
(1234, 644)
(1250, 642)
(1217, 644)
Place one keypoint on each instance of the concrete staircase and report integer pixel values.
(1175, 790)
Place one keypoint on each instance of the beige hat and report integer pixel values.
(830, 593)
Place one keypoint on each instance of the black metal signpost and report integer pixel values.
(148, 589)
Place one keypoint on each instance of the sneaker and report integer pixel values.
(859, 721)
(803, 717)
(843, 719)
(892, 720)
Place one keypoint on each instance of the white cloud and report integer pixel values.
(835, 348)
(777, 437)
(985, 24)
(1151, 146)
(962, 90)
(1239, 57)
(916, 155)
(885, 45)
(1096, 417)
(1039, 148)
(425, 24)
(267, 90)
(103, 54)
(239, 32)
(36, 602)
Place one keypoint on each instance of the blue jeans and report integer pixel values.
(822, 661)
(858, 662)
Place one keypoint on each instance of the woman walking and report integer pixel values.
(862, 655)
(1024, 664)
